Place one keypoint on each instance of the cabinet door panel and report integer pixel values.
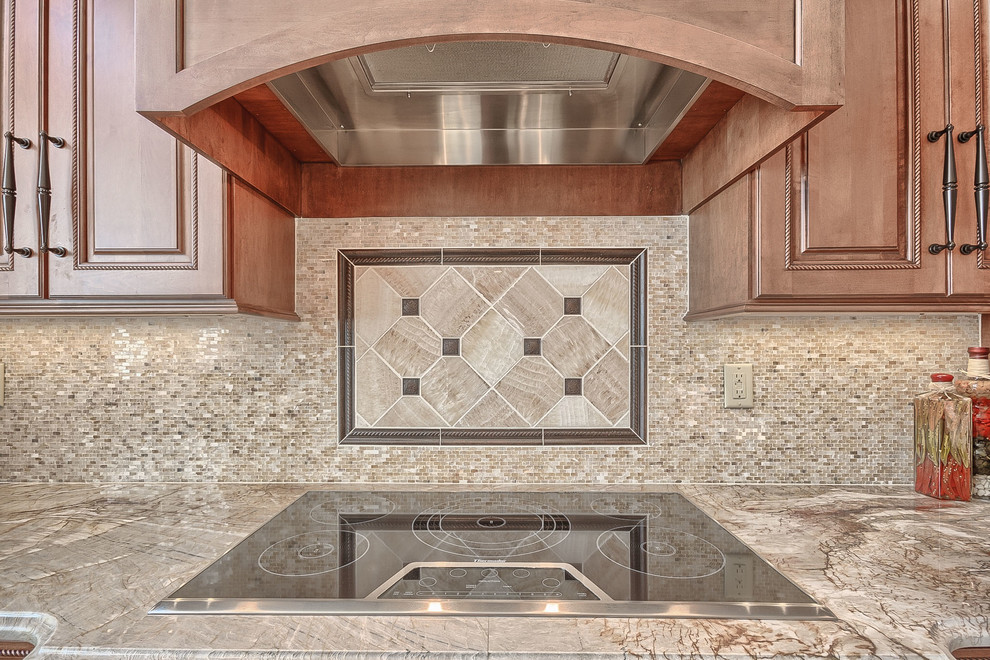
(841, 212)
(19, 276)
(140, 214)
(970, 83)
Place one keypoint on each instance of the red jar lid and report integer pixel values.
(978, 352)
(941, 378)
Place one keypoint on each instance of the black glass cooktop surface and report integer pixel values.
(468, 553)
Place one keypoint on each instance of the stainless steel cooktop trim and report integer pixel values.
(363, 607)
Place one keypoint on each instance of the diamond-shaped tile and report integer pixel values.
(623, 345)
(573, 346)
(410, 347)
(607, 386)
(452, 388)
(452, 305)
(532, 387)
(572, 280)
(574, 411)
(376, 387)
(376, 307)
(492, 412)
(491, 281)
(531, 304)
(410, 412)
(492, 346)
(606, 305)
(411, 281)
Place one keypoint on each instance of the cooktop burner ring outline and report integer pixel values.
(676, 543)
(542, 528)
(622, 508)
(378, 506)
(300, 554)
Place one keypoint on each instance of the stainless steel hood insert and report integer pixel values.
(489, 103)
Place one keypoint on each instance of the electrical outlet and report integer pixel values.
(737, 384)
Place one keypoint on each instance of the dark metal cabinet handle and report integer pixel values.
(981, 190)
(45, 192)
(10, 194)
(948, 189)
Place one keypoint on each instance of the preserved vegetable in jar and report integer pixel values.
(943, 422)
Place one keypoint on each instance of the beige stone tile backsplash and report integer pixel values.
(249, 399)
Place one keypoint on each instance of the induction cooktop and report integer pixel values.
(468, 553)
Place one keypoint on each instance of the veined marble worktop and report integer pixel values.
(80, 566)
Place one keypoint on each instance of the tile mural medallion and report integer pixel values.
(492, 346)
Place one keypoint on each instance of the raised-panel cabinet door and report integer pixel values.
(20, 24)
(848, 210)
(138, 214)
(969, 95)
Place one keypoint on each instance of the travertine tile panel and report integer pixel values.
(491, 281)
(572, 280)
(532, 387)
(607, 386)
(531, 304)
(492, 346)
(372, 321)
(575, 411)
(411, 412)
(452, 387)
(606, 305)
(410, 347)
(452, 305)
(410, 281)
(377, 387)
(492, 412)
(573, 346)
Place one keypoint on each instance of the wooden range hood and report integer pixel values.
(776, 68)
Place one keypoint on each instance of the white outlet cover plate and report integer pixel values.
(737, 385)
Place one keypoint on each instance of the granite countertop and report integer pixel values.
(80, 566)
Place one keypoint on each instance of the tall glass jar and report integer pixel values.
(977, 387)
(943, 423)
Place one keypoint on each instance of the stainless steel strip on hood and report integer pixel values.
(490, 103)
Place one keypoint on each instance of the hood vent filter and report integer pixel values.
(489, 103)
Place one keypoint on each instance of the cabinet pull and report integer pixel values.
(948, 188)
(10, 193)
(45, 192)
(981, 190)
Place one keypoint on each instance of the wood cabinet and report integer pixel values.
(141, 217)
(841, 219)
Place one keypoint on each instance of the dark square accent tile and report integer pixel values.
(410, 306)
(572, 306)
(532, 346)
(572, 386)
(451, 346)
(410, 386)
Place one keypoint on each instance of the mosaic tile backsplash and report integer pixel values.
(242, 398)
(494, 346)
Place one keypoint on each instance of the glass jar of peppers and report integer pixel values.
(977, 387)
(943, 441)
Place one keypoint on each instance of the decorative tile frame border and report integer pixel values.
(348, 433)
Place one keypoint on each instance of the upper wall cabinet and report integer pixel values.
(845, 217)
(107, 213)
